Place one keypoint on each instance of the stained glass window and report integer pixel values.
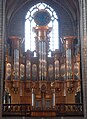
(29, 24)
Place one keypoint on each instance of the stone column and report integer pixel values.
(2, 34)
(83, 38)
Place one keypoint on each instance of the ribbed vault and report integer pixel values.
(71, 6)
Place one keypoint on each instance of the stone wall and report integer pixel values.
(2, 24)
(83, 37)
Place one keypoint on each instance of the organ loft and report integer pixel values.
(42, 78)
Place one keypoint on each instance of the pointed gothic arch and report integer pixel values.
(29, 24)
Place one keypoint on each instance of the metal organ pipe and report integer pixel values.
(54, 98)
(42, 33)
(32, 97)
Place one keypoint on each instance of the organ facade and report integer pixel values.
(42, 78)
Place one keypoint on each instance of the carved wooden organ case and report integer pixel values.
(34, 77)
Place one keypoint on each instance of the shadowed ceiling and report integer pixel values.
(72, 6)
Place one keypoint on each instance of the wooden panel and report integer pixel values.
(25, 100)
(44, 114)
(60, 99)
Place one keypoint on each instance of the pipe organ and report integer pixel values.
(40, 79)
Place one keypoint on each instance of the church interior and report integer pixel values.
(44, 66)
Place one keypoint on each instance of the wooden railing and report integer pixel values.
(26, 110)
(69, 109)
(16, 109)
